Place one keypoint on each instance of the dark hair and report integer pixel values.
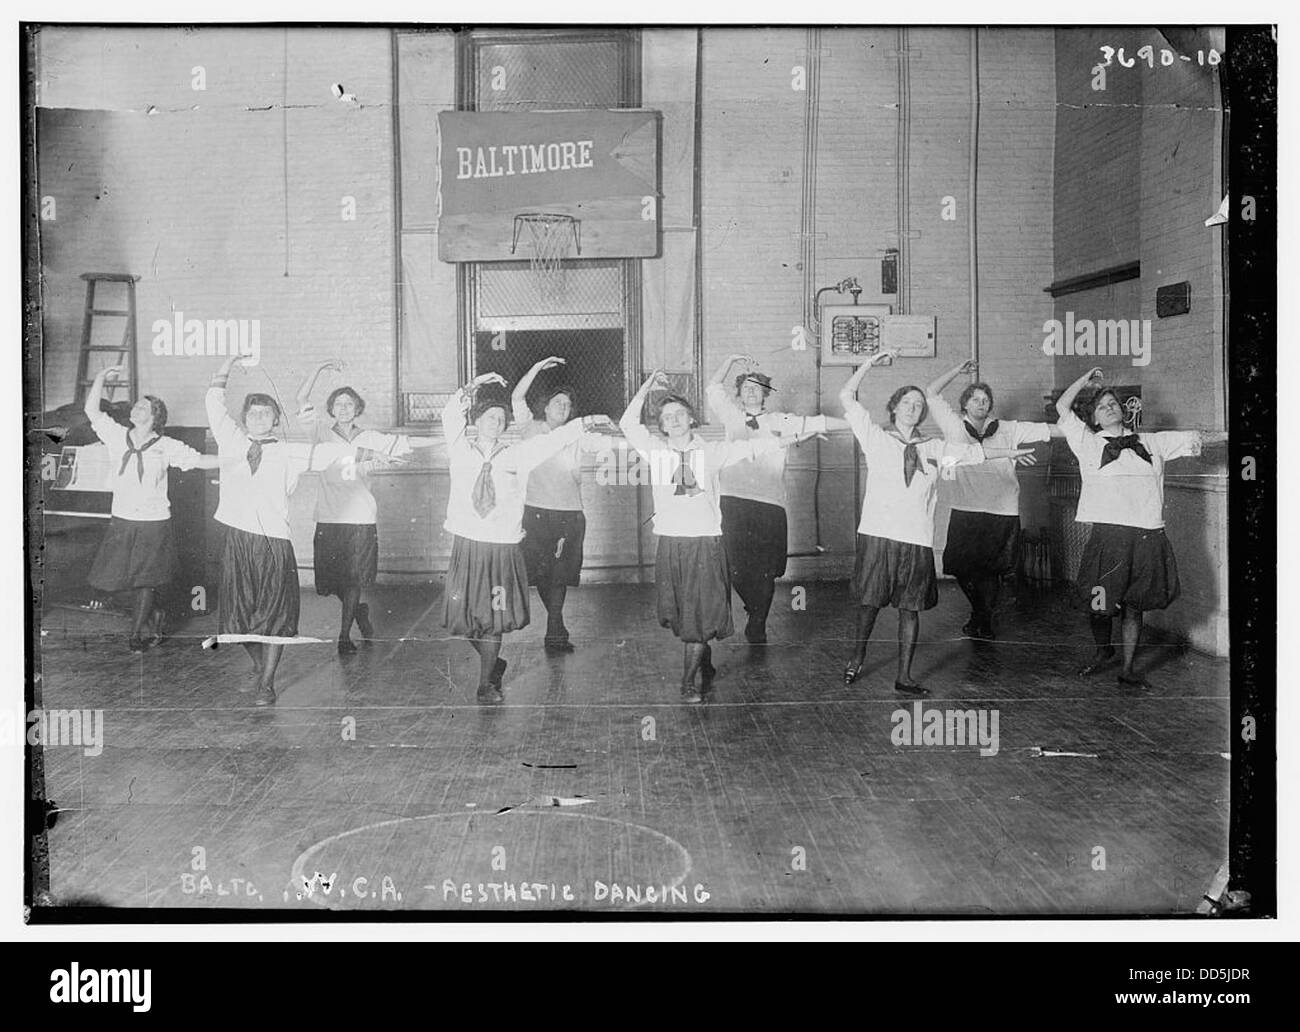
(339, 392)
(266, 401)
(1087, 409)
(970, 391)
(547, 396)
(159, 410)
(761, 379)
(485, 399)
(676, 399)
(898, 396)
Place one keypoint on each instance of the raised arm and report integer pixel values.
(224, 429)
(723, 371)
(96, 392)
(848, 393)
(1065, 403)
(935, 387)
(455, 414)
(638, 436)
(309, 383)
(519, 399)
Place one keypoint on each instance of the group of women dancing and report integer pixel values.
(515, 511)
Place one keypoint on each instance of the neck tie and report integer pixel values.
(255, 446)
(751, 422)
(1116, 445)
(684, 478)
(911, 457)
(990, 428)
(485, 491)
(131, 449)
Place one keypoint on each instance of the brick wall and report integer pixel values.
(227, 202)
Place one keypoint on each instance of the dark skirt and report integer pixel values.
(553, 545)
(134, 554)
(486, 589)
(755, 536)
(345, 555)
(693, 587)
(1132, 567)
(981, 544)
(894, 573)
(259, 586)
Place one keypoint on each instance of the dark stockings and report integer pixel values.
(553, 596)
(909, 627)
(488, 648)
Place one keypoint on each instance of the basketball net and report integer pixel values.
(551, 236)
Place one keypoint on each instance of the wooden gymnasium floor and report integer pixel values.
(783, 793)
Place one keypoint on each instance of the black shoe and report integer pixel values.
(755, 632)
(490, 693)
(1135, 681)
(558, 644)
(853, 671)
(135, 644)
(347, 647)
(910, 689)
(364, 625)
(691, 694)
(1099, 660)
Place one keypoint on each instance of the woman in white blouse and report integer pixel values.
(554, 524)
(983, 542)
(345, 547)
(138, 553)
(486, 592)
(1127, 566)
(895, 556)
(258, 604)
(692, 579)
(753, 492)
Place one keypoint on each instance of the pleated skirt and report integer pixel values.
(486, 589)
(134, 554)
(345, 555)
(981, 544)
(756, 537)
(894, 573)
(259, 586)
(1126, 566)
(693, 588)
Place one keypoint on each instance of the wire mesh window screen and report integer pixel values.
(593, 364)
(549, 75)
(510, 297)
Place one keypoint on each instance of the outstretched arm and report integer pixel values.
(936, 386)
(1065, 403)
(519, 399)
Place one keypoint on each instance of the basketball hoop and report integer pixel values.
(551, 235)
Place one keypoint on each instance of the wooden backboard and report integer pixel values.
(600, 167)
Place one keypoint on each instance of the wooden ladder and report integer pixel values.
(125, 350)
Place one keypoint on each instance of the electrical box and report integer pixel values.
(850, 334)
